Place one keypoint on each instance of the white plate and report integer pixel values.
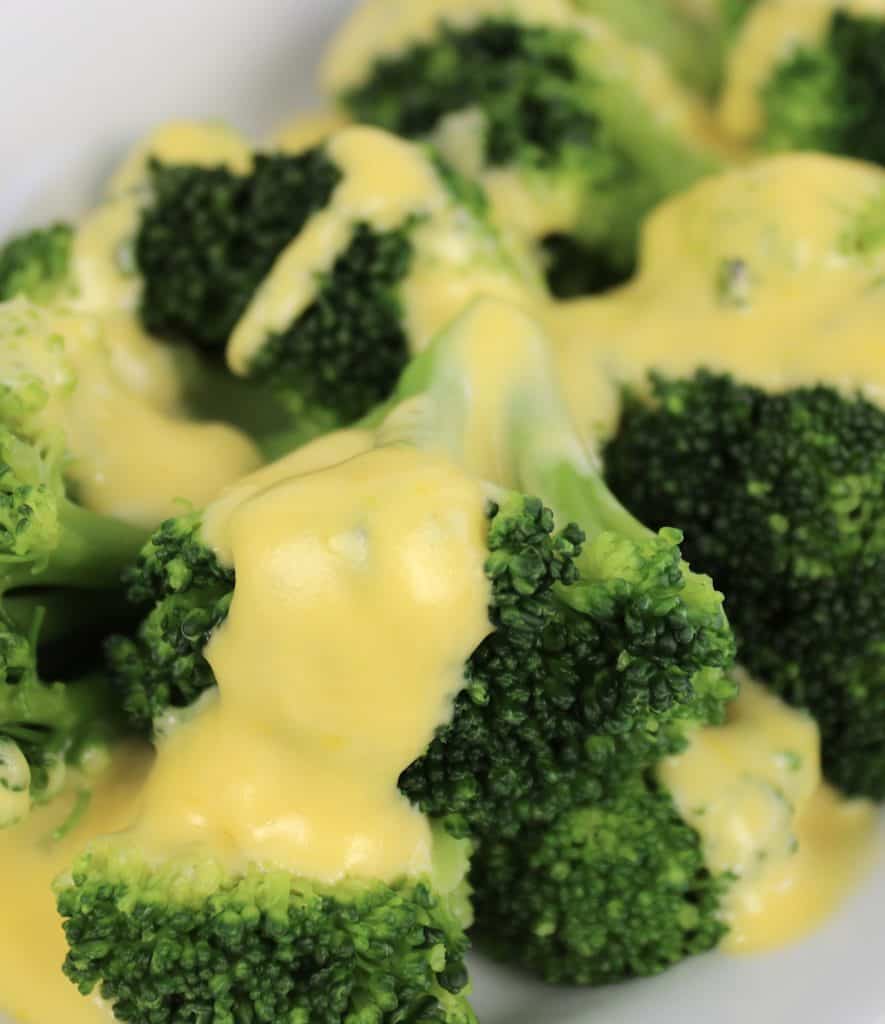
(81, 80)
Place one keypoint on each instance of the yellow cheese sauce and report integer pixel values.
(755, 272)
(384, 183)
(304, 131)
(127, 456)
(33, 989)
(295, 761)
(753, 790)
(773, 33)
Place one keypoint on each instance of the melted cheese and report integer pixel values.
(802, 307)
(129, 457)
(305, 131)
(199, 143)
(295, 762)
(385, 182)
(753, 790)
(33, 989)
(773, 33)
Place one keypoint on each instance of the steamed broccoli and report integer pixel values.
(685, 39)
(616, 889)
(602, 636)
(781, 497)
(215, 251)
(541, 111)
(820, 86)
(45, 727)
(36, 264)
(192, 940)
(829, 96)
(55, 555)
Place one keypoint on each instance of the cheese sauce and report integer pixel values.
(307, 130)
(136, 454)
(753, 790)
(385, 182)
(759, 272)
(295, 762)
(33, 989)
(774, 32)
(128, 457)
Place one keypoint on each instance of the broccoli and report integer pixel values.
(781, 497)
(209, 235)
(55, 556)
(36, 264)
(192, 940)
(215, 250)
(684, 38)
(45, 728)
(541, 106)
(819, 86)
(612, 890)
(829, 96)
(602, 636)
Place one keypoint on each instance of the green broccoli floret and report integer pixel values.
(45, 727)
(548, 105)
(782, 499)
(828, 96)
(190, 940)
(36, 265)
(209, 238)
(613, 890)
(602, 636)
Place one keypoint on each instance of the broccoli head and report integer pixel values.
(808, 77)
(191, 940)
(602, 635)
(782, 499)
(616, 889)
(231, 260)
(36, 264)
(536, 107)
(829, 96)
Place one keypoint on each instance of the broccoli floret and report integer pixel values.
(190, 940)
(613, 890)
(597, 647)
(36, 265)
(547, 106)
(210, 240)
(45, 727)
(782, 499)
(209, 236)
(828, 96)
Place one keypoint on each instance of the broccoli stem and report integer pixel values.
(92, 552)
